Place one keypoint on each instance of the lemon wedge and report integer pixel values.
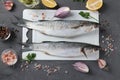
(49, 3)
(94, 4)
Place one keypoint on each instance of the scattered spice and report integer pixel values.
(50, 69)
(43, 16)
(108, 46)
(104, 23)
(34, 16)
(37, 66)
(24, 66)
(106, 39)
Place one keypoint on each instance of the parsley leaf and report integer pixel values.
(86, 15)
(30, 57)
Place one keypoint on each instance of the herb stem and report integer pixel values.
(93, 18)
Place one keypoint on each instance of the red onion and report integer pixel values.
(82, 67)
(62, 12)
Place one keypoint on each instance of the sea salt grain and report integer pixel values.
(66, 72)
(38, 66)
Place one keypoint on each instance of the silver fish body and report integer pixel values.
(64, 29)
(67, 50)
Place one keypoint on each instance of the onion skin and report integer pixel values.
(82, 67)
(62, 12)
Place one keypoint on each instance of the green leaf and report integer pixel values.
(86, 15)
(82, 13)
(33, 55)
(30, 57)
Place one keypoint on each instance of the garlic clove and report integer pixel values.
(8, 5)
(82, 67)
(101, 63)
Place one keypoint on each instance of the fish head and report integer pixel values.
(89, 49)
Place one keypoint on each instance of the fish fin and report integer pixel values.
(83, 51)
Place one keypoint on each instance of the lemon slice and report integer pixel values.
(94, 4)
(49, 3)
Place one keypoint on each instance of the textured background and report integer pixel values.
(109, 12)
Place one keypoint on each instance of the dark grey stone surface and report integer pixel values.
(109, 12)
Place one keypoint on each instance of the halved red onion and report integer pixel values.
(62, 12)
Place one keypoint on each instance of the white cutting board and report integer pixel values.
(42, 56)
(37, 37)
(35, 15)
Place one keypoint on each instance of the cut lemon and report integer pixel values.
(49, 3)
(94, 4)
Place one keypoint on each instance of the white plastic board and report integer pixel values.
(37, 37)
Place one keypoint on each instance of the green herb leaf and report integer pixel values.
(33, 55)
(30, 57)
(86, 15)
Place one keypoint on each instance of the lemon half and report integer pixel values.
(49, 3)
(94, 4)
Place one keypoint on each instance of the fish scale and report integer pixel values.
(59, 24)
